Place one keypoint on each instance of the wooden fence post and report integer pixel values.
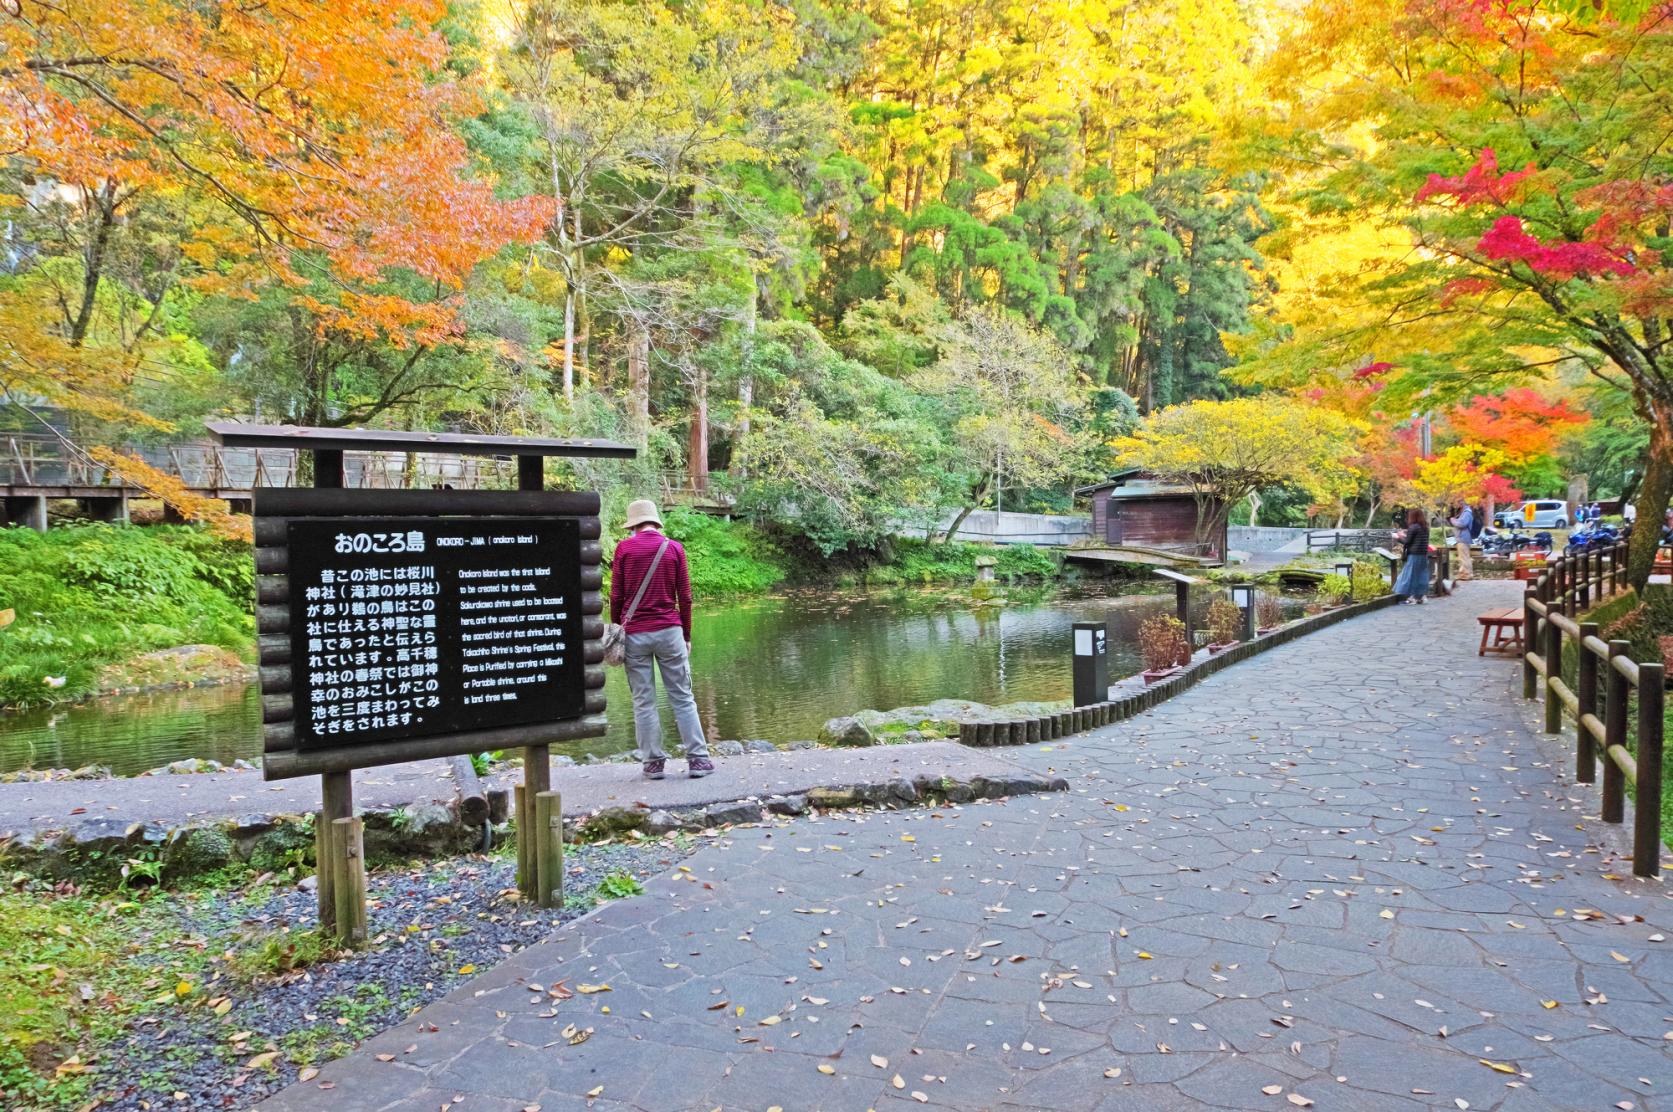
(341, 871)
(1553, 653)
(1530, 626)
(520, 808)
(348, 844)
(1583, 588)
(1585, 761)
(1615, 733)
(548, 845)
(537, 778)
(1646, 805)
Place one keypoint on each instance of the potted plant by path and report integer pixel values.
(1269, 614)
(1162, 646)
(1225, 623)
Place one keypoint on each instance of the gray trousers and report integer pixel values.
(666, 650)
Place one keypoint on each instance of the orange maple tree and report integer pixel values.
(1519, 423)
(216, 146)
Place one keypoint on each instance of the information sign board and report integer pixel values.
(400, 625)
(412, 627)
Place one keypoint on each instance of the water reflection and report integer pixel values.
(773, 668)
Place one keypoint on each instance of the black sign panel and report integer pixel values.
(413, 627)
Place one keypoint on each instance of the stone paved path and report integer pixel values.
(1345, 872)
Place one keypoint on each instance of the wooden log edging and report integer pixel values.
(1080, 719)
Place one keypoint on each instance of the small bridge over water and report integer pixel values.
(38, 468)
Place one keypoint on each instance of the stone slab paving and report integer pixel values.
(1345, 874)
(206, 796)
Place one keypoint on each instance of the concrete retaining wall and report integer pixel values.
(992, 527)
(1263, 538)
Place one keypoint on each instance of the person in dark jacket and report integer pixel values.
(650, 597)
(1413, 583)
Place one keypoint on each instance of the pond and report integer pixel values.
(773, 668)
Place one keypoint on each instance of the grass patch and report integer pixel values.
(276, 955)
(76, 971)
(619, 885)
(89, 596)
(921, 563)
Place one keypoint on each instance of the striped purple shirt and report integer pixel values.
(667, 600)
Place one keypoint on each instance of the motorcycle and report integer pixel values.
(1509, 543)
(1593, 537)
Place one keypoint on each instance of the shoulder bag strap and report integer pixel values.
(644, 584)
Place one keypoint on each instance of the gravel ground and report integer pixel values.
(433, 925)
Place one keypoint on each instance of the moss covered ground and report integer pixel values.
(86, 597)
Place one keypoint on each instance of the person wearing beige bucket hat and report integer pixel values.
(650, 598)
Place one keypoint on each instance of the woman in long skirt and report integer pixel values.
(1413, 583)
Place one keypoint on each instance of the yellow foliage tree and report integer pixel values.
(1225, 450)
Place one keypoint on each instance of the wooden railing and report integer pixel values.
(35, 460)
(1573, 583)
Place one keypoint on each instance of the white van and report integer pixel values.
(1542, 513)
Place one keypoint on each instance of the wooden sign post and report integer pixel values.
(401, 625)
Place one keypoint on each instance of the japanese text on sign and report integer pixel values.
(410, 628)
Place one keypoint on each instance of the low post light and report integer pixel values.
(1243, 594)
(1345, 568)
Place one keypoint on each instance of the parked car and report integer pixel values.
(1548, 513)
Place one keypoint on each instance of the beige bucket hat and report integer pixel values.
(642, 511)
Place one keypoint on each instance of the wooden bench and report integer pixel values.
(1504, 627)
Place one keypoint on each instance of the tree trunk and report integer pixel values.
(569, 342)
(697, 464)
(639, 382)
(93, 261)
(1254, 509)
(746, 393)
(1653, 496)
(977, 494)
(952, 530)
(579, 342)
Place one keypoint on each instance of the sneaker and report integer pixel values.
(654, 769)
(699, 767)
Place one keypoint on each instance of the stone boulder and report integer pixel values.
(195, 850)
(614, 820)
(788, 804)
(731, 814)
(827, 799)
(727, 749)
(659, 822)
(760, 747)
(847, 730)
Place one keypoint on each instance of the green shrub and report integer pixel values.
(923, 563)
(91, 595)
(618, 885)
(726, 557)
(1333, 589)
